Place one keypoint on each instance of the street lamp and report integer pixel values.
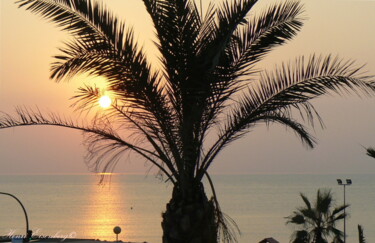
(28, 231)
(348, 183)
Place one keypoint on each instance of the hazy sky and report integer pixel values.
(339, 27)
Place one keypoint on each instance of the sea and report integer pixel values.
(78, 206)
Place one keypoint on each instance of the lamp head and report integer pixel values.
(339, 181)
(348, 181)
(117, 230)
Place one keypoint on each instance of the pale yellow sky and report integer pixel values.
(344, 27)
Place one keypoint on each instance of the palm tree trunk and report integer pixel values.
(190, 218)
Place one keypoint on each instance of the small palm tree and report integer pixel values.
(361, 236)
(371, 152)
(207, 85)
(317, 222)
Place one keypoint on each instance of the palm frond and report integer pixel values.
(177, 24)
(305, 200)
(104, 141)
(129, 79)
(296, 218)
(87, 20)
(292, 86)
(228, 229)
(304, 80)
(103, 45)
(86, 98)
(213, 85)
(208, 26)
(338, 235)
(310, 214)
(100, 59)
(278, 24)
(340, 216)
(339, 209)
(323, 201)
(130, 83)
(145, 125)
(230, 17)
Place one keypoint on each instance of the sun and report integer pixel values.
(105, 101)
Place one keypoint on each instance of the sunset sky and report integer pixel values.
(343, 27)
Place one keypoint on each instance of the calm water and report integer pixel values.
(76, 206)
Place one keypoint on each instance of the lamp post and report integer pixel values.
(348, 183)
(28, 231)
(117, 230)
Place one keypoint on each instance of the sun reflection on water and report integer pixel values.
(106, 210)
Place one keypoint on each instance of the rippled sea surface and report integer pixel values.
(76, 206)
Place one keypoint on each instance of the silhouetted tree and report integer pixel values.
(317, 222)
(207, 83)
(361, 236)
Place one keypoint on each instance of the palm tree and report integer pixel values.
(361, 236)
(371, 152)
(316, 222)
(207, 84)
